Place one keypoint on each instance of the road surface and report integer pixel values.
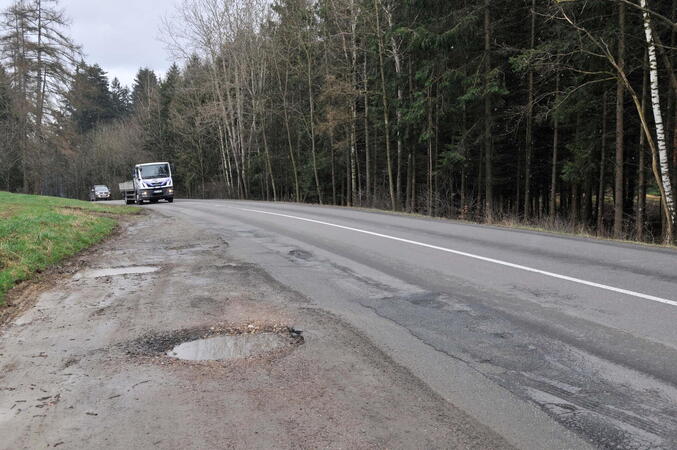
(92, 361)
(549, 340)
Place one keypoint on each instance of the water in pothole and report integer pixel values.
(120, 271)
(228, 347)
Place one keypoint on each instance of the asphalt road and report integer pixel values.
(88, 361)
(552, 341)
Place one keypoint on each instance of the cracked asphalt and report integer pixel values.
(549, 341)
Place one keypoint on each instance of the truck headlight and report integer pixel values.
(170, 191)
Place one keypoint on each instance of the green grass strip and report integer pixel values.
(37, 232)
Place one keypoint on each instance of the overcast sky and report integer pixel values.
(120, 35)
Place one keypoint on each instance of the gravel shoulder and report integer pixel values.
(72, 374)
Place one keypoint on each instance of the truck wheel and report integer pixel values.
(170, 200)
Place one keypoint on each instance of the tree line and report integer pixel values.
(554, 113)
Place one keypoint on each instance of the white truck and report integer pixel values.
(150, 182)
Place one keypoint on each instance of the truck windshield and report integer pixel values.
(154, 171)
(101, 188)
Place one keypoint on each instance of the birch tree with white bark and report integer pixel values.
(663, 169)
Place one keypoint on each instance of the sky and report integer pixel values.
(120, 35)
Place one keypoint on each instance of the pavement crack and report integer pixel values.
(139, 383)
(468, 363)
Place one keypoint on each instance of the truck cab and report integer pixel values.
(150, 182)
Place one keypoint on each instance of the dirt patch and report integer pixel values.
(113, 271)
(8, 211)
(78, 211)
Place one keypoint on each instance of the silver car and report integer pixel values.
(99, 192)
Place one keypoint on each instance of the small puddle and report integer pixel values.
(132, 270)
(221, 348)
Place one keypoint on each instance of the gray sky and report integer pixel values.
(120, 35)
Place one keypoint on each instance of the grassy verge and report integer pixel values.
(36, 232)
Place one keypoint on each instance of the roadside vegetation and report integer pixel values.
(544, 113)
(37, 231)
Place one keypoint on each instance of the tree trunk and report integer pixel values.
(555, 145)
(386, 121)
(269, 161)
(672, 107)
(244, 163)
(411, 147)
(413, 181)
(620, 131)
(398, 111)
(602, 169)
(353, 157)
(662, 173)
(430, 154)
(673, 79)
(488, 164)
(349, 173)
(367, 158)
(674, 154)
(641, 163)
(574, 205)
(285, 113)
(311, 104)
(529, 125)
(586, 213)
(351, 57)
(333, 165)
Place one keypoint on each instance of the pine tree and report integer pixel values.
(89, 101)
(120, 99)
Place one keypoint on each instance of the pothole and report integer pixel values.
(131, 270)
(219, 343)
(300, 254)
(223, 348)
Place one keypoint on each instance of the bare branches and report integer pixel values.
(645, 10)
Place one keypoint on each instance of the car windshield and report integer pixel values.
(101, 188)
(154, 171)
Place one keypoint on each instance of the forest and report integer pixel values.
(553, 114)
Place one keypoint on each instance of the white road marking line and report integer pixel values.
(471, 255)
